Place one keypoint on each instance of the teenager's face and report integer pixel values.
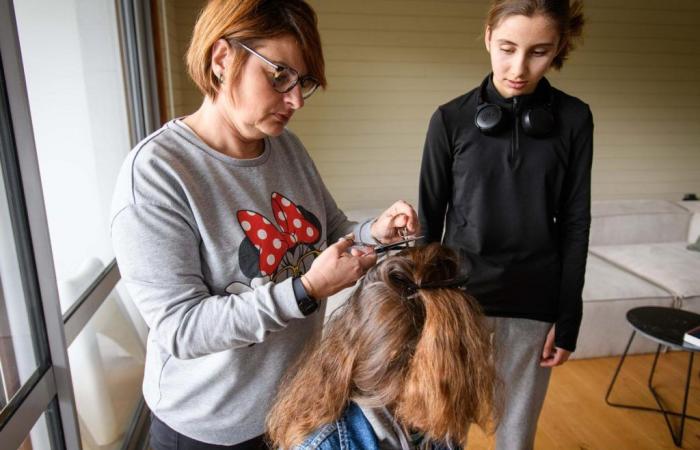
(522, 50)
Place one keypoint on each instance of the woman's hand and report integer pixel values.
(553, 356)
(399, 220)
(336, 268)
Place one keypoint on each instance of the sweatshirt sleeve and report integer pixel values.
(156, 249)
(435, 184)
(575, 218)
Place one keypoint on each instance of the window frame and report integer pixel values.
(50, 388)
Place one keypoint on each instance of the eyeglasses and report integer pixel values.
(285, 78)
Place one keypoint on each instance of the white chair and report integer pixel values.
(106, 360)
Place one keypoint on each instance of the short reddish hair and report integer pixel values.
(247, 21)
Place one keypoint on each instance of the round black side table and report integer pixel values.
(665, 326)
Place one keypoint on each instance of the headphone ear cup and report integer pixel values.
(488, 118)
(537, 122)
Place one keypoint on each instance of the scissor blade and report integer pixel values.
(386, 247)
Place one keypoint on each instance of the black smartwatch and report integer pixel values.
(305, 302)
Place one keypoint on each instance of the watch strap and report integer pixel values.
(306, 303)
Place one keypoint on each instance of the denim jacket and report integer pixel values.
(351, 432)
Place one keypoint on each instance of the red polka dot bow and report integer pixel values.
(272, 243)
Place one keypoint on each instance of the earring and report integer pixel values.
(221, 78)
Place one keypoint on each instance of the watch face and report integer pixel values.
(308, 305)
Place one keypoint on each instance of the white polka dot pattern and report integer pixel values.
(271, 242)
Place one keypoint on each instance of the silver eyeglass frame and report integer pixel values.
(279, 68)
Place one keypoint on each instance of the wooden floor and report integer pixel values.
(575, 415)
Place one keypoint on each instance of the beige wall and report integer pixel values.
(176, 19)
(391, 63)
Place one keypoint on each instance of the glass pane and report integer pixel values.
(106, 362)
(18, 357)
(174, 25)
(38, 438)
(73, 70)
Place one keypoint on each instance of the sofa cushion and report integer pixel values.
(691, 304)
(694, 229)
(605, 282)
(668, 265)
(605, 330)
(638, 221)
(609, 292)
(691, 205)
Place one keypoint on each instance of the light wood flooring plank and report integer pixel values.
(575, 415)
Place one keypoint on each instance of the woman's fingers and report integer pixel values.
(367, 260)
(399, 217)
(343, 244)
(408, 216)
(338, 266)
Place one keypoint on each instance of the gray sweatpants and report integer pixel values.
(518, 345)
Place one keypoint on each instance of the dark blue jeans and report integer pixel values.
(165, 438)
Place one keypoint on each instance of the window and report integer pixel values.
(73, 101)
(77, 99)
(18, 357)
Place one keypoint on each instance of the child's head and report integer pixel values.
(409, 339)
(564, 16)
(525, 38)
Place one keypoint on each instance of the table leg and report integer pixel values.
(653, 367)
(617, 371)
(677, 438)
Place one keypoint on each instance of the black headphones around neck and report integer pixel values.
(536, 121)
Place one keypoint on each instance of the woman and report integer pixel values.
(506, 175)
(220, 226)
(405, 364)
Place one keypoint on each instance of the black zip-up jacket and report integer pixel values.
(516, 207)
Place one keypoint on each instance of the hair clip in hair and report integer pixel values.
(410, 289)
(459, 282)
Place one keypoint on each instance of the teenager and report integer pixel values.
(505, 181)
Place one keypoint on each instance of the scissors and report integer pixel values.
(383, 248)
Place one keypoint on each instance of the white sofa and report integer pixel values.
(637, 257)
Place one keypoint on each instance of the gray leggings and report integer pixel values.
(518, 344)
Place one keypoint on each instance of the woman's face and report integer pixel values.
(522, 50)
(252, 105)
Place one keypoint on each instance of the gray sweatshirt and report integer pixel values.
(207, 245)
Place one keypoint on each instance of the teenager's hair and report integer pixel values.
(248, 21)
(403, 342)
(566, 15)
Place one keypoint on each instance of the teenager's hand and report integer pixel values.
(553, 356)
(336, 268)
(399, 220)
